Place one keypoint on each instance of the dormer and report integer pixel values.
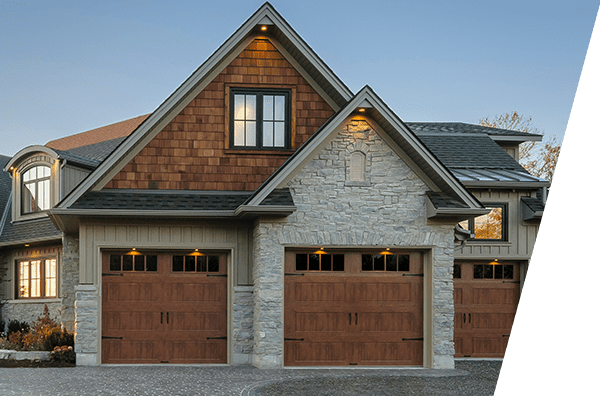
(41, 177)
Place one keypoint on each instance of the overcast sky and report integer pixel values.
(70, 66)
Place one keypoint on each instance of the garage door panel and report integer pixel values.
(305, 291)
(489, 346)
(492, 321)
(197, 321)
(127, 292)
(391, 353)
(321, 321)
(318, 353)
(197, 291)
(131, 321)
(494, 296)
(385, 291)
(387, 322)
(130, 351)
(201, 351)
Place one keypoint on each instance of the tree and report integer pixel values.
(539, 158)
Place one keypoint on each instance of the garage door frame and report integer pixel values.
(228, 249)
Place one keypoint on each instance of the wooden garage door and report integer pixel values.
(485, 303)
(361, 308)
(164, 308)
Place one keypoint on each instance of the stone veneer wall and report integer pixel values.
(86, 325)
(243, 330)
(387, 208)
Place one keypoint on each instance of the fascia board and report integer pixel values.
(265, 209)
(137, 213)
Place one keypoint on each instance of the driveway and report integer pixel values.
(469, 378)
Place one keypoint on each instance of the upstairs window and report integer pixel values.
(491, 227)
(260, 119)
(35, 193)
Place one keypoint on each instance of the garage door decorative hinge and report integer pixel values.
(294, 274)
(220, 275)
(412, 339)
(293, 339)
(105, 274)
(511, 281)
(216, 338)
(413, 274)
(111, 338)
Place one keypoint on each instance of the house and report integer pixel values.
(266, 214)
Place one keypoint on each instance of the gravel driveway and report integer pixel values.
(469, 378)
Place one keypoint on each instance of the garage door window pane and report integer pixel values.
(326, 262)
(508, 271)
(391, 262)
(127, 263)
(404, 262)
(367, 262)
(177, 263)
(201, 264)
(457, 271)
(313, 262)
(301, 262)
(151, 263)
(115, 262)
(213, 263)
(138, 263)
(338, 262)
(378, 262)
(190, 264)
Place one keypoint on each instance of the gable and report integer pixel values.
(193, 152)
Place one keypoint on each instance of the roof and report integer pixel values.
(423, 128)
(5, 184)
(27, 231)
(108, 132)
(97, 151)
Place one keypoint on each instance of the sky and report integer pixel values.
(71, 66)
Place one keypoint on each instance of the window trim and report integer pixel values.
(259, 92)
(490, 205)
(43, 296)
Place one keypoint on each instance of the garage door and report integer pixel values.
(485, 303)
(363, 308)
(164, 308)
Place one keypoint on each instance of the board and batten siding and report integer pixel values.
(96, 236)
(70, 178)
(520, 236)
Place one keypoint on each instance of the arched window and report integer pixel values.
(357, 166)
(35, 193)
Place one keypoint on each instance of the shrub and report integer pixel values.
(15, 325)
(63, 354)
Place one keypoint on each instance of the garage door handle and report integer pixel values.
(350, 318)
(464, 318)
(469, 317)
(167, 318)
(356, 318)
(161, 318)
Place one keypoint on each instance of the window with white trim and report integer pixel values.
(37, 278)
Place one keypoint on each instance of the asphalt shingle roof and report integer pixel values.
(30, 230)
(461, 128)
(97, 151)
(474, 151)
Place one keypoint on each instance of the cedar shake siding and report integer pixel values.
(192, 152)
